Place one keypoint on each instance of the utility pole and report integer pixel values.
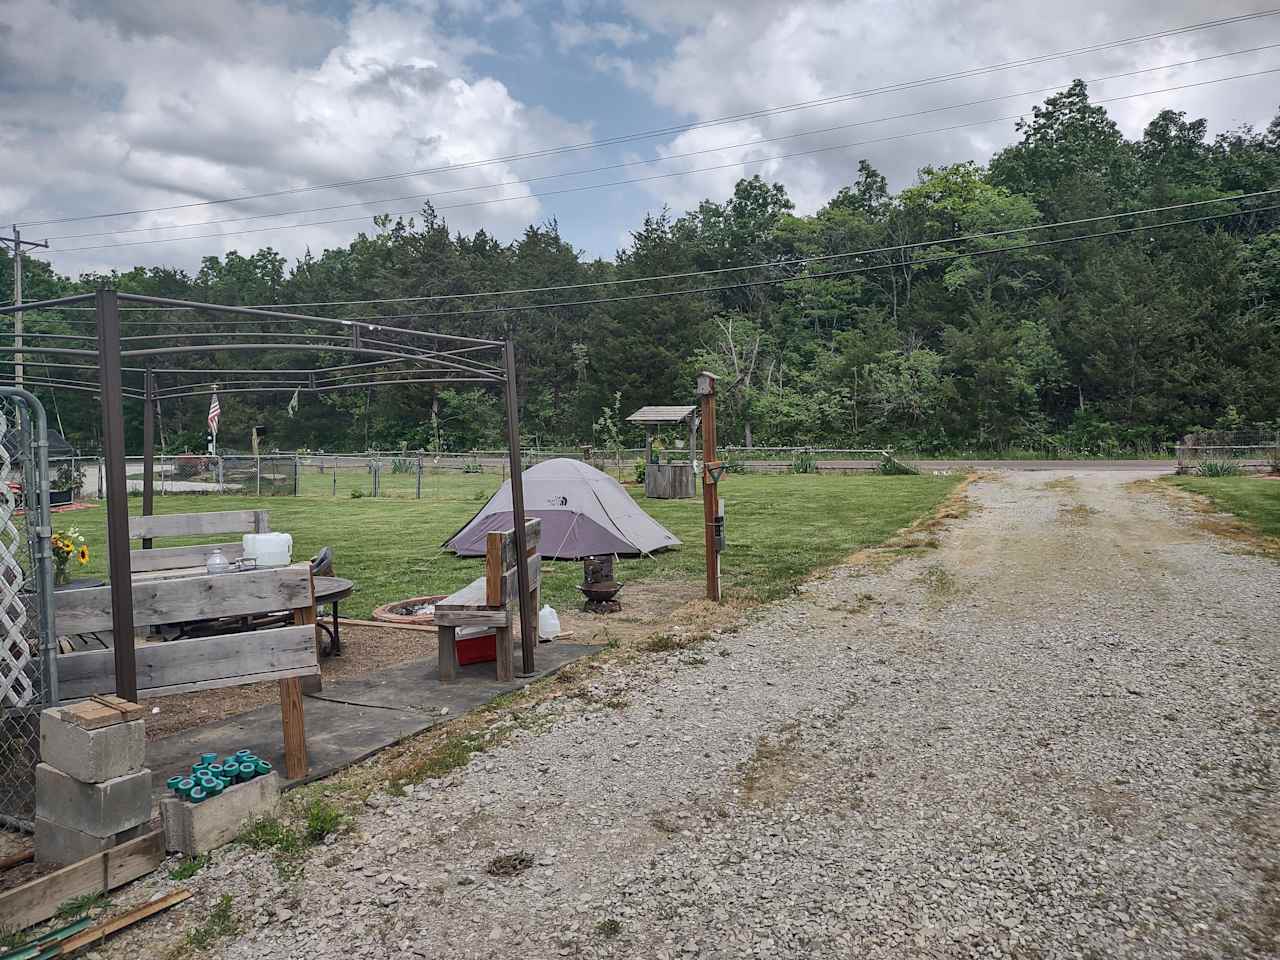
(712, 469)
(18, 244)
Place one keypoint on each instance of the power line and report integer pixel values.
(693, 125)
(684, 275)
(661, 176)
(745, 284)
(662, 159)
(848, 271)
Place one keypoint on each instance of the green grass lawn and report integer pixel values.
(779, 529)
(1254, 500)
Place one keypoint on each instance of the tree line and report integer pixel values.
(1105, 344)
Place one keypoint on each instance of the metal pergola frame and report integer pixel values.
(448, 359)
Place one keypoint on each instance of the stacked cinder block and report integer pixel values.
(92, 790)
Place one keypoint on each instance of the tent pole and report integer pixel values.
(527, 614)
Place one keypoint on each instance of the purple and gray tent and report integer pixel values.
(584, 513)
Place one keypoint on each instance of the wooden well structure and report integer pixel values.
(667, 481)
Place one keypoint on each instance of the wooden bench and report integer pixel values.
(286, 653)
(190, 525)
(487, 601)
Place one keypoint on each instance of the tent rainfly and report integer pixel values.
(584, 513)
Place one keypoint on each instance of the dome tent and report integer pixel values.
(584, 513)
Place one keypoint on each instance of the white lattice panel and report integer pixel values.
(17, 644)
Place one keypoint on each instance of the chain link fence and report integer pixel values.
(28, 678)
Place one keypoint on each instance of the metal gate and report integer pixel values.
(28, 668)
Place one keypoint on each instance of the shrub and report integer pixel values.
(640, 470)
(1219, 468)
(804, 462)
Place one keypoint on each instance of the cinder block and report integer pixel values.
(56, 844)
(99, 809)
(92, 756)
(195, 828)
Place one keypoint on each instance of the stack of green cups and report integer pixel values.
(210, 776)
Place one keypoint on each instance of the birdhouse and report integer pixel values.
(706, 384)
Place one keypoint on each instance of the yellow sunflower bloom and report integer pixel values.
(84, 555)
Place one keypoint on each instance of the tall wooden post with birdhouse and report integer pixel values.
(712, 469)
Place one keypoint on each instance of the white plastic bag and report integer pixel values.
(548, 624)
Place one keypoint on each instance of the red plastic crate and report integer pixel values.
(478, 649)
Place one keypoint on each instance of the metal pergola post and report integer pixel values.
(112, 396)
(527, 613)
(148, 447)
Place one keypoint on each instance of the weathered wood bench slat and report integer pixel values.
(188, 598)
(198, 524)
(175, 558)
(182, 666)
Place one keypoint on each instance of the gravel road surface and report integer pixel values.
(1054, 735)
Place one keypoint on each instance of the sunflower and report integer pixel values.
(83, 555)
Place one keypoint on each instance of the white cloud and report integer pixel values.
(241, 98)
(582, 33)
(731, 59)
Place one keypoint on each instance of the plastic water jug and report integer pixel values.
(548, 624)
(269, 549)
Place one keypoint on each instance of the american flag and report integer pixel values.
(215, 412)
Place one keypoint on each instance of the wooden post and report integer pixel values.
(448, 652)
(528, 624)
(292, 716)
(710, 498)
(505, 666)
(107, 308)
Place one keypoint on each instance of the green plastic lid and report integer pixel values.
(198, 794)
(185, 786)
(248, 771)
(208, 758)
(172, 783)
(264, 766)
(244, 753)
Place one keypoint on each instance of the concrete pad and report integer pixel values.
(356, 718)
(92, 756)
(99, 809)
(196, 828)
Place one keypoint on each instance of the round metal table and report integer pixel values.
(331, 590)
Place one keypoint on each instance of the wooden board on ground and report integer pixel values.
(103, 930)
(38, 900)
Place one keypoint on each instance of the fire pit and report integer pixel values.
(599, 586)
(416, 611)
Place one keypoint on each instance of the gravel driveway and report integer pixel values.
(1055, 735)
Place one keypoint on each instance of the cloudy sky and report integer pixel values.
(149, 109)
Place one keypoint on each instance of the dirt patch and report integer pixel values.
(364, 649)
(775, 769)
(1212, 519)
(1080, 513)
